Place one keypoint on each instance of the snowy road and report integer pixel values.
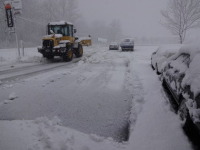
(21, 72)
(91, 96)
(105, 93)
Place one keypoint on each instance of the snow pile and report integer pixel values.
(98, 56)
(13, 96)
(10, 56)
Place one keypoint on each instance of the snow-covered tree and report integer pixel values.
(181, 15)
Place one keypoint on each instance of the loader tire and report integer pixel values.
(49, 57)
(79, 51)
(68, 56)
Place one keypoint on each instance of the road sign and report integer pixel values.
(9, 15)
(17, 4)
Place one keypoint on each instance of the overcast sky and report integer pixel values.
(137, 17)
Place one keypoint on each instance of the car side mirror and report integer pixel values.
(75, 30)
(76, 38)
(169, 65)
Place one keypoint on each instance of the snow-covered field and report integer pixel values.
(88, 105)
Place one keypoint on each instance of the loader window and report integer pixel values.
(70, 30)
(59, 29)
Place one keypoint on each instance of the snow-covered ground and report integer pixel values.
(88, 104)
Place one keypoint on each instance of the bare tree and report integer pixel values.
(36, 14)
(181, 16)
(115, 31)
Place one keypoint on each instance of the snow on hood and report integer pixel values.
(53, 35)
(64, 41)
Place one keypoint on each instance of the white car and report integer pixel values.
(127, 44)
(113, 46)
(181, 78)
(159, 58)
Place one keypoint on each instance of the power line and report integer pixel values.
(29, 20)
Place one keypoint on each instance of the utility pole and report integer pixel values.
(11, 7)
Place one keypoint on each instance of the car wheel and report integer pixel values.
(157, 72)
(152, 66)
(49, 57)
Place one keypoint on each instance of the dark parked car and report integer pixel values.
(181, 77)
(127, 44)
(113, 46)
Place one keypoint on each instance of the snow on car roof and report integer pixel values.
(173, 47)
(113, 43)
(60, 23)
(192, 50)
(168, 49)
(129, 39)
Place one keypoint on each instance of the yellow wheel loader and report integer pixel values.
(60, 41)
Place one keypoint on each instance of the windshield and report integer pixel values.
(59, 29)
(127, 40)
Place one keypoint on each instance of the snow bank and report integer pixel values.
(10, 57)
(44, 133)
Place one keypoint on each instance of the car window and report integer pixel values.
(127, 40)
(184, 58)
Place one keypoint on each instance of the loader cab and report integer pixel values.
(64, 28)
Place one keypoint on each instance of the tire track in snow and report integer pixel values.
(18, 73)
(134, 86)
